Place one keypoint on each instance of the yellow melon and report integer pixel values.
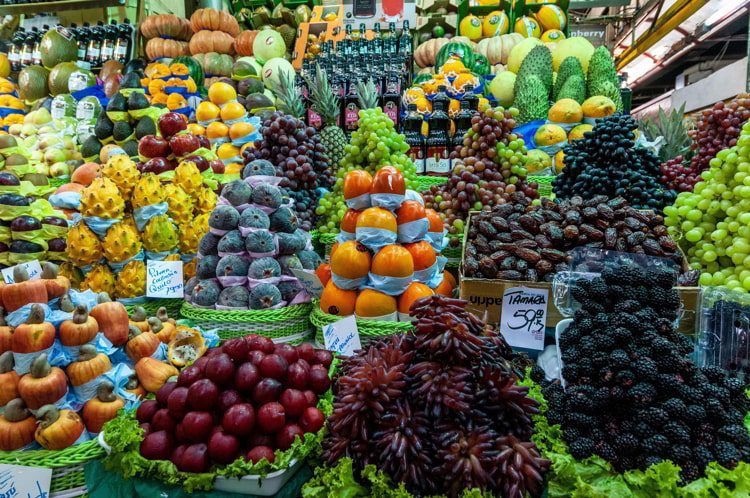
(577, 132)
(565, 111)
(598, 106)
(549, 134)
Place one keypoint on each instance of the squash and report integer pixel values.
(79, 330)
(152, 373)
(57, 285)
(134, 387)
(36, 334)
(139, 319)
(211, 41)
(89, 366)
(141, 344)
(195, 71)
(372, 304)
(6, 334)
(156, 48)
(165, 331)
(157, 70)
(8, 379)
(103, 408)
(243, 43)
(17, 426)
(23, 291)
(58, 429)
(335, 301)
(424, 54)
(214, 20)
(112, 318)
(166, 25)
(497, 48)
(214, 64)
(351, 260)
(43, 385)
(187, 346)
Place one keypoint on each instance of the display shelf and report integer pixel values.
(33, 8)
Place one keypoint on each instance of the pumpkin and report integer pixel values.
(349, 221)
(156, 48)
(140, 319)
(6, 335)
(211, 41)
(58, 429)
(356, 184)
(372, 304)
(176, 101)
(34, 335)
(152, 373)
(81, 329)
(112, 318)
(155, 87)
(424, 54)
(8, 378)
(323, 271)
(393, 261)
(89, 366)
(57, 285)
(17, 426)
(43, 385)
(388, 180)
(412, 294)
(158, 25)
(103, 408)
(214, 64)
(351, 260)
(243, 43)
(195, 71)
(141, 344)
(335, 301)
(134, 387)
(186, 347)
(214, 20)
(23, 291)
(446, 287)
(497, 48)
(422, 254)
(165, 331)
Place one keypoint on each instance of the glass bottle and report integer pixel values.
(28, 48)
(392, 96)
(437, 159)
(15, 50)
(94, 48)
(414, 138)
(109, 39)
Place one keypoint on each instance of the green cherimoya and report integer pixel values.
(538, 63)
(531, 100)
(602, 77)
(571, 66)
(574, 88)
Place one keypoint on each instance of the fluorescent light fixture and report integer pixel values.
(722, 11)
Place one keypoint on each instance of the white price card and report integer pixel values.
(17, 481)
(342, 336)
(523, 317)
(35, 273)
(164, 279)
(309, 281)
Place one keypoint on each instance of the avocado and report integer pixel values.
(103, 127)
(117, 103)
(130, 80)
(36, 179)
(91, 147)
(257, 100)
(131, 148)
(159, 106)
(137, 101)
(7, 141)
(145, 127)
(249, 86)
(121, 131)
(16, 160)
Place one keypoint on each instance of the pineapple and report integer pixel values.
(147, 191)
(191, 234)
(122, 171)
(367, 94)
(131, 281)
(99, 279)
(325, 103)
(188, 176)
(102, 199)
(160, 234)
(180, 203)
(84, 247)
(672, 127)
(122, 242)
(289, 101)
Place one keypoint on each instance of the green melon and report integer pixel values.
(58, 45)
(458, 49)
(32, 83)
(194, 69)
(59, 76)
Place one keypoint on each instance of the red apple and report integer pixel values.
(197, 426)
(189, 375)
(200, 161)
(259, 453)
(203, 395)
(162, 421)
(195, 459)
(228, 399)
(217, 166)
(220, 369)
(157, 165)
(157, 446)
(239, 419)
(171, 123)
(203, 140)
(285, 437)
(237, 350)
(318, 379)
(223, 448)
(183, 144)
(271, 417)
(153, 146)
(177, 403)
(312, 420)
(293, 401)
(146, 411)
(163, 393)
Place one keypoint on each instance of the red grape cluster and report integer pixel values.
(677, 174)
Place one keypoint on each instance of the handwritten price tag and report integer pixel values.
(342, 336)
(523, 317)
(309, 281)
(17, 481)
(33, 267)
(164, 279)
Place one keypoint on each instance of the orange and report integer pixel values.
(227, 151)
(239, 130)
(220, 93)
(217, 129)
(196, 129)
(207, 111)
(232, 110)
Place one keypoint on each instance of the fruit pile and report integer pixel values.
(375, 144)
(440, 410)
(254, 243)
(490, 168)
(249, 400)
(389, 251)
(170, 85)
(12, 108)
(710, 222)
(607, 162)
(633, 395)
(518, 241)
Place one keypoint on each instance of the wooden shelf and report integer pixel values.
(33, 8)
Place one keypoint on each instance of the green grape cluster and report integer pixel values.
(375, 144)
(713, 221)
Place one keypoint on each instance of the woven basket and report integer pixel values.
(152, 304)
(545, 184)
(68, 479)
(284, 325)
(425, 182)
(368, 329)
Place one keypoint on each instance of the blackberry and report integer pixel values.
(676, 433)
(586, 347)
(625, 378)
(580, 293)
(651, 460)
(597, 289)
(580, 420)
(582, 448)
(605, 451)
(735, 433)
(617, 393)
(690, 394)
(666, 326)
(674, 407)
(619, 359)
(717, 392)
(604, 342)
(621, 335)
(593, 307)
(586, 324)
(572, 434)
(695, 414)
(626, 320)
(600, 398)
(668, 363)
(680, 454)
(601, 321)
(645, 368)
(642, 394)
(569, 372)
(627, 306)
(653, 416)
(606, 374)
(656, 445)
(581, 314)
(662, 346)
(626, 442)
(690, 472)
(668, 385)
(600, 360)
(571, 355)
(727, 454)
(713, 407)
(702, 456)
(644, 430)
(736, 386)
(615, 291)
(663, 277)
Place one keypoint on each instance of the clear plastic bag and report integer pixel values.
(724, 330)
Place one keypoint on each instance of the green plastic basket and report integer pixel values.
(425, 182)
(453, 252)
(368, 329)
(284, 325)
(545, 184)
(151, 305)
(68, 479)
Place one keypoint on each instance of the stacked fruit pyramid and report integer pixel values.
(170, 85)
(389, 250)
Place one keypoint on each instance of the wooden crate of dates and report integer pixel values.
(519, 244)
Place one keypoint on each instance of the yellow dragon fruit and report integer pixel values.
(122, 242)
(188, 176)
(122, 171)
(84, 247)
(160, 234)
(72, 273)
(173, 257)
(102, 199)
(191, 234)
(147, 191)
(205, 200)
(131, 281)
(99, 279)
(180, 203)
(188, 269)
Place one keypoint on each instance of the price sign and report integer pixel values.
(309, 281)
(17, 481)
(523, 317)
(342, 336)
(33, 267)
(164, 279)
